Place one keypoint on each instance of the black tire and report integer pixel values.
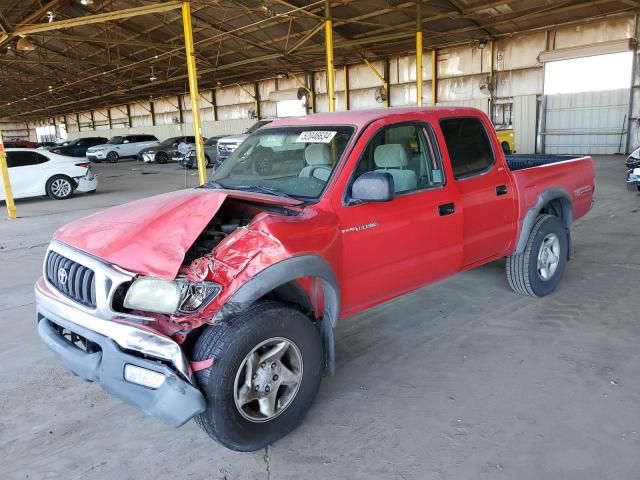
(162, 158)
(60, 187)
(229, 345)
(506, 148)
(522, 270)
(207, 161)
(113, 157)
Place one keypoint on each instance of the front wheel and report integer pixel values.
(162, 158)
(112, 157)
(268, 363)
(60, 187)
(537, 271)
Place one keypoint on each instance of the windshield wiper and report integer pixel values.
(262, 189)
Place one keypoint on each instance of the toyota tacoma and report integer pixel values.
(220, 303)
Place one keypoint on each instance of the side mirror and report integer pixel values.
(125, 141)
(373, 187)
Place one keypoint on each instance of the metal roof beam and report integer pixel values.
(99, 18)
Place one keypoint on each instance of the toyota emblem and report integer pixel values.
(62, 276)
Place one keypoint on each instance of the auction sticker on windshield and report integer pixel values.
(316, 136)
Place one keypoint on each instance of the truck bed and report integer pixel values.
(520, 162)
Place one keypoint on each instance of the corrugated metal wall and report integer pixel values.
(587, 122)
(524, 122)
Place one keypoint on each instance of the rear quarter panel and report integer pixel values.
(575, 177)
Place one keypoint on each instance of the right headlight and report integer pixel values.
(169, 296)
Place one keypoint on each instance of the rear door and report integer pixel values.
(393, 247)
(26, 172)
(486, 192)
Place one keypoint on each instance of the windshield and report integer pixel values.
(71, 143)
(290, 161)
(115, 140)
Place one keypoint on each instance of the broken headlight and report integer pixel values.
(169, 296)
(197, 295)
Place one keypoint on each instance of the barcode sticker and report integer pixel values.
(316, 136)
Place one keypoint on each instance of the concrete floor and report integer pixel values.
(461, 380)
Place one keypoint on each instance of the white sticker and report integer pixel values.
(316, 136)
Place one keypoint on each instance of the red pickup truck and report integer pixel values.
(220, 302)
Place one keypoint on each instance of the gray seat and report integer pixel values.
(392, 158)
(318, 158)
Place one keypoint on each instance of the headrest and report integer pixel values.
(392, 155)
(317, 154)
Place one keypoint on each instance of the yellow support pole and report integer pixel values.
(328, 36)
(193, 91)
(6, 182)
(434, 77)
(419, 53)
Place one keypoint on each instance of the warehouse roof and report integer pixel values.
(45, 70)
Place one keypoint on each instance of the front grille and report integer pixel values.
(73, 280)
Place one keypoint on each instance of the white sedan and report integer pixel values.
(40, 172)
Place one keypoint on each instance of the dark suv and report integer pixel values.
(79, 146)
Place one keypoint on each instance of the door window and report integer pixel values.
(468, 144)
(407, 152)
(24, 159)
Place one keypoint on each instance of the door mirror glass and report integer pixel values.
(373, 187)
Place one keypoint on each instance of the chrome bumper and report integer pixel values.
(103, 320)
(51, 305)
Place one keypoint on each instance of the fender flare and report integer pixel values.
(281, 273)
(555, 193)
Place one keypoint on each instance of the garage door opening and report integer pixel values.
(586, 104)
(589, 74)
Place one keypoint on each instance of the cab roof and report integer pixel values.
(361, 118)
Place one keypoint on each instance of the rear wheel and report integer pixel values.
(112, 157)
(60, 187)
(268, 364)
(538, 270)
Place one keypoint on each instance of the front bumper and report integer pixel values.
(176, 401)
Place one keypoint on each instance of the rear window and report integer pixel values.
(468, 144)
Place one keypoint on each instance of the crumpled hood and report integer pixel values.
(151, 236)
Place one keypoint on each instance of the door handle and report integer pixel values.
(501, 190)
(446, 209)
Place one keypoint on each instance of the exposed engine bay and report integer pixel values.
(232, 215)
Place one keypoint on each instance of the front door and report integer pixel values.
(393, 247)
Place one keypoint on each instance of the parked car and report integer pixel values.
(19, 144)
(227, 145)
(507, 140)
(38, 172)
(220, 303)
(78, 147)
(633, 160)
(165, 150)
(121, 146)
(210, 155)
